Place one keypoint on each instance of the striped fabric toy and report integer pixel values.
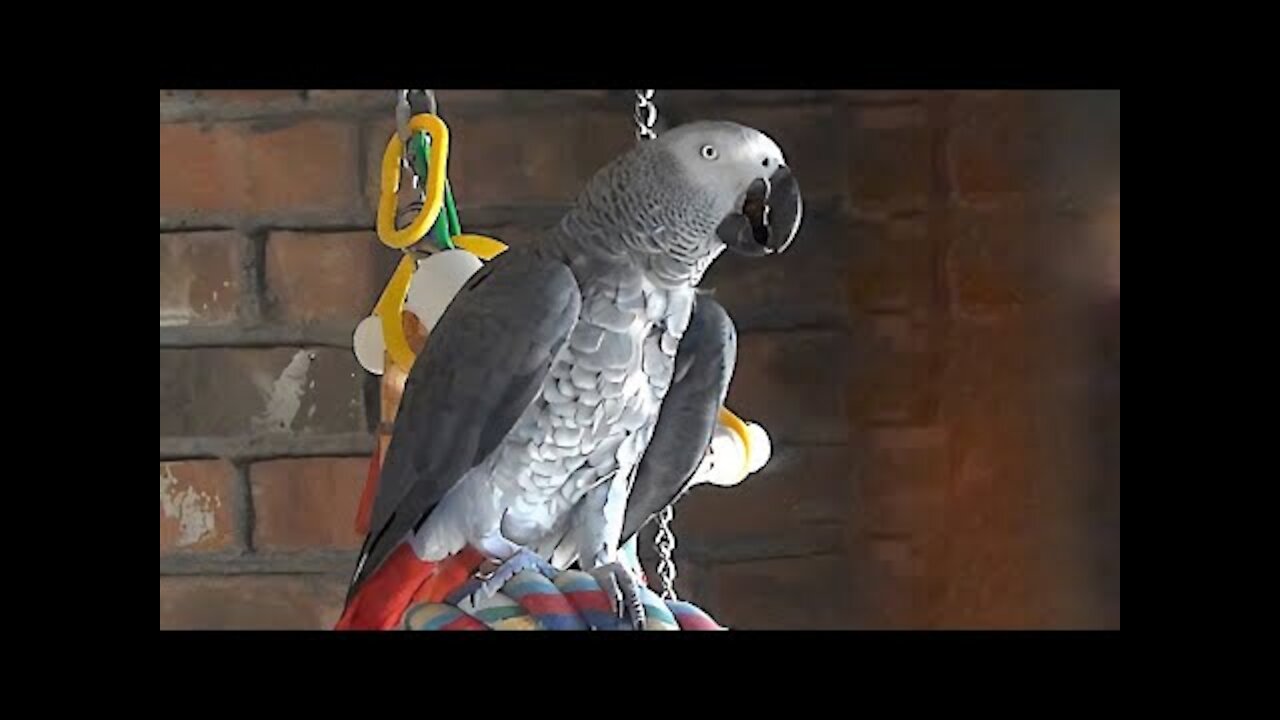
(530, 601)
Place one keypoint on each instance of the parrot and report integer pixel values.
(571, 388)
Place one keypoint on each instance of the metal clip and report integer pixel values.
(410, 103)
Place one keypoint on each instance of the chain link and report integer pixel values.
(666, 541)
(646, 114)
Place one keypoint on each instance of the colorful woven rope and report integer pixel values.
(574, 600)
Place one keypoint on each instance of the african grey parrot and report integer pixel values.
(571, 388)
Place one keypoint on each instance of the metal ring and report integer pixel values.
(650, 114)
(645, 114)
(430, 95)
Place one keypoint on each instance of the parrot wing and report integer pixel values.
(482, 367)
(704, 365)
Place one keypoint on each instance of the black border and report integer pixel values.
(796, 50)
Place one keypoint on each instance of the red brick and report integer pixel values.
(447, 98)
(240, 167)
(249, 97)
(904, 484)
(800, 487)
(885, 96)
(551, 164)
(238, 392)
(795, 384)
(1080, 151)
(250, 602)
(196, 501)
(385, 99)
(1056, 146)
(776, 96)
(890, 159)
(301, 504)
(561, 101)
(989, 262)
(514, 234)
(1007, 444)
(811, 139)
(803, 593)
(891, 266)
(894, 369)
(992, 143)
(805, 286)
(994, 579)
(202, 169)
(687, 105)
(1106, 231)
(374, 137)
(311, 165)
(326, 277)
(890, 117)
(892, 577)
(200, 277)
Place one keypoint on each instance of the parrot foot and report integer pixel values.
(620, 584)
(523, 559)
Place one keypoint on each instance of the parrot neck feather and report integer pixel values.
(639, 210)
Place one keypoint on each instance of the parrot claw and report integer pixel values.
(620, 584)
(523, 559)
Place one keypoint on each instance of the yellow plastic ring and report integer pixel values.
(390, 185)
(735, 423)
(390, 310)
(485, 248)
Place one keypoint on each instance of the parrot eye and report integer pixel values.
(709, 152)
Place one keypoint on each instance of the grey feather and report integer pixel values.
(704, 366)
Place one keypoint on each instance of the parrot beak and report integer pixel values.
(770, 216)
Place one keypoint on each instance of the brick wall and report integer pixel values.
(937, 358)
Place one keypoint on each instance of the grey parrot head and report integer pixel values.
(751, 195)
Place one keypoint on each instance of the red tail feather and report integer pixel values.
(402, 581)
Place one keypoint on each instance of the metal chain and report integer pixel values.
(666, 540)
(646, 115)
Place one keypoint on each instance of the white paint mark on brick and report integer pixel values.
(172, 317)
(284, 396)
(193, 510)
(180, 313)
